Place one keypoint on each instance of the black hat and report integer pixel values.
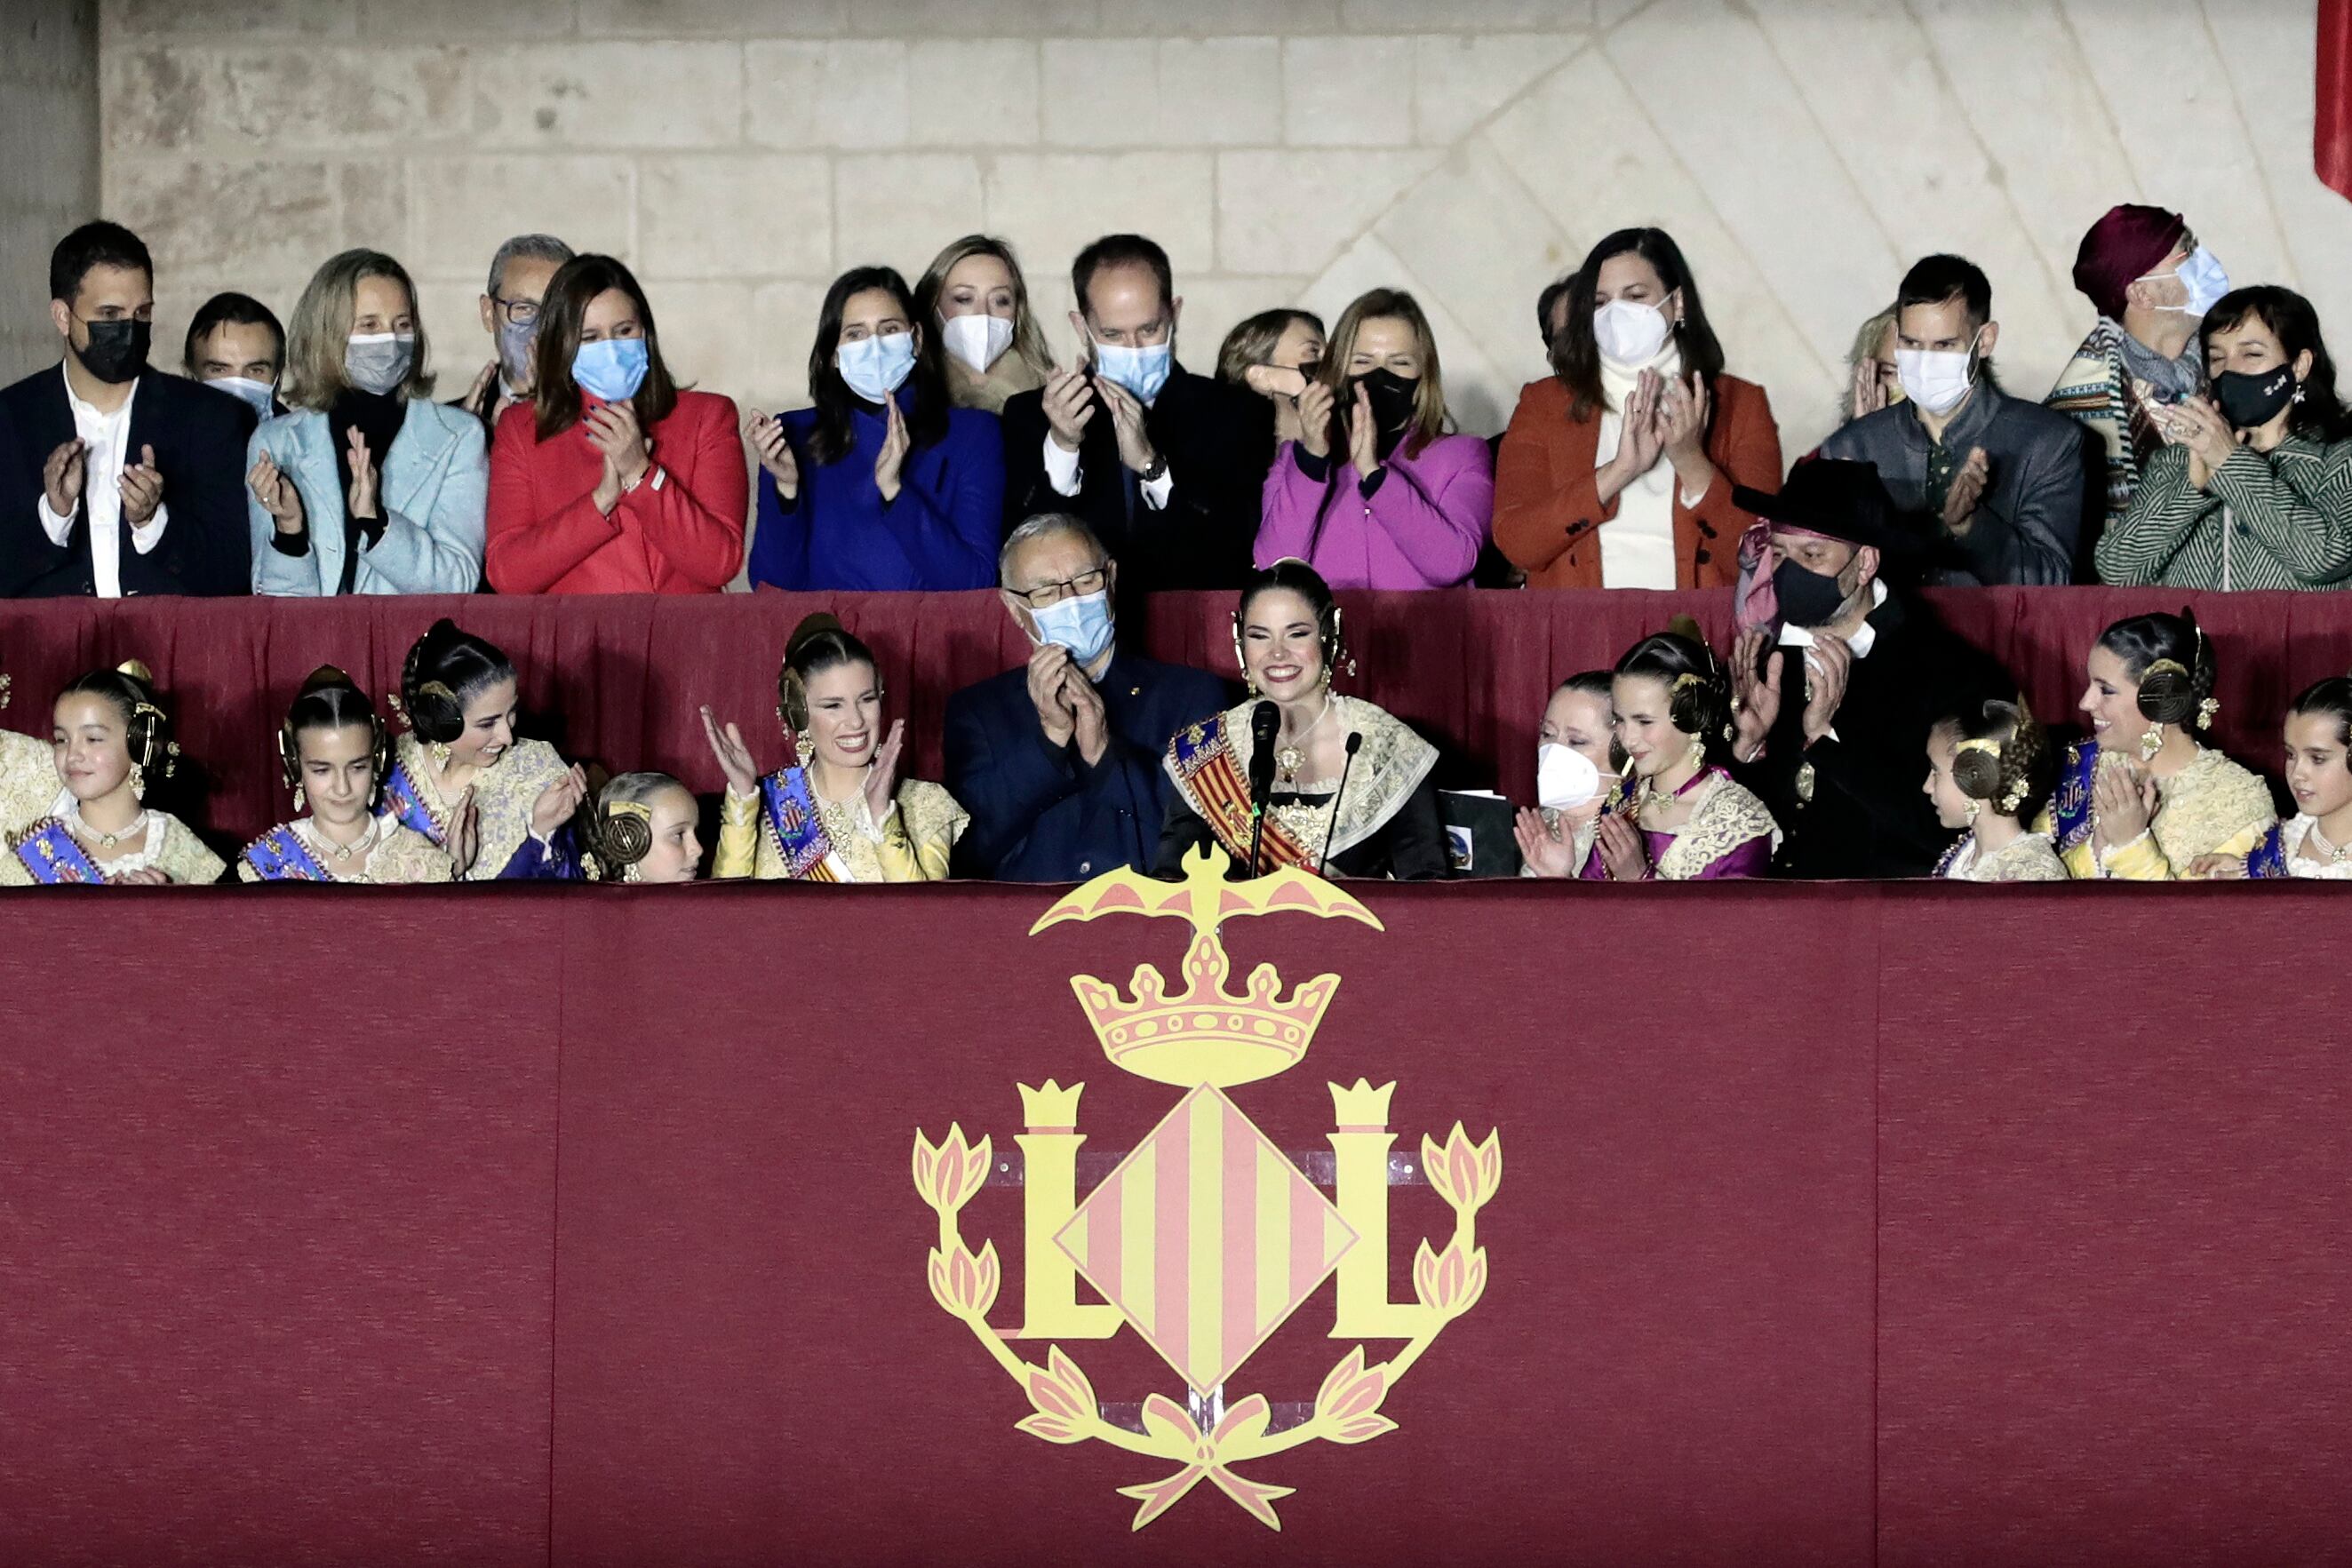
(1841, 499)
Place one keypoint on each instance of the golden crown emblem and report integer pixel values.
(1205, 1034)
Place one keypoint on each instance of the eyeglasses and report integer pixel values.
(1078, 587)
(521, 312)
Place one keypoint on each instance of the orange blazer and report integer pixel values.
(1547, 511)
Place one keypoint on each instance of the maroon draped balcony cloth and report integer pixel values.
(1916, 1225)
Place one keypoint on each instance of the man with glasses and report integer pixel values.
(519, 276)
(1059, 762)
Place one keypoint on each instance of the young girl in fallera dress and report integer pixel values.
(1677, 816)
(1988, 772)
(110, 747)
(642, 829)
(2316, 842)
(332, 751)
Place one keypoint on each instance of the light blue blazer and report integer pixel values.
(435, 489)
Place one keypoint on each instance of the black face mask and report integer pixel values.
(2250, 402)
(117, 352)
(1393, 397)
(1807, 597)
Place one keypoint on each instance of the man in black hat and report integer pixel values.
(1839, 677)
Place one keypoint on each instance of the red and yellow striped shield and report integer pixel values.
(1206, 1237)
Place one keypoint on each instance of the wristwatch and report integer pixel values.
(1159, 469)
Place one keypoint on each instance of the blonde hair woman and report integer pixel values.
(973, 297)
(1377, 492)
(1275, 353)
(1871, 382)
(367, 486)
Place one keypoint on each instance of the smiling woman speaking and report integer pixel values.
(1348, 790)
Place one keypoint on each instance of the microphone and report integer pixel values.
(1265, 722)
(1355, 744)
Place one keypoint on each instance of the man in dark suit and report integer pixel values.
(115, 477)
(1166, 467)
(1059, 762)
(1839, 677)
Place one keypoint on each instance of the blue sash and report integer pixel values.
(1944, 866)
(2070, 807)
(279, 856)
(404, 801)
(2269, 857)
(789, 809)
(49, 851)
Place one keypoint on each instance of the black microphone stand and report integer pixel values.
(1265, 722)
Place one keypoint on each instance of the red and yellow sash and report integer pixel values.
(1212, 782)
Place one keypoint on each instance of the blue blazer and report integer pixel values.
(1038, 813)
(941, 533)
(434, 487)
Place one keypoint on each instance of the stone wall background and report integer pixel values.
(48, 160)
(739, 153)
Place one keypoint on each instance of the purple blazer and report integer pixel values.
(1417, 522)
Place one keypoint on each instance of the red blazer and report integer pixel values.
(546, 534)
(1547, 511)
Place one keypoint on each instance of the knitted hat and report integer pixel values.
(2126, 245)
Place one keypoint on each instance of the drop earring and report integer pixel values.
(138, 782)
(2151, 743)
(804, 749)
(439, 749)
(301, 801)
(1974, 807)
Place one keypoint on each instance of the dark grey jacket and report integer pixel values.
(2029, 525)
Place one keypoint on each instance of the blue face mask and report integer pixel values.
(612, 370)
(262, 395)
(2201, 275)
(874, 368)
(1142, 372)
(1081, 624)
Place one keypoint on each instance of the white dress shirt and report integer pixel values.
(106, 440)
(1064, 472)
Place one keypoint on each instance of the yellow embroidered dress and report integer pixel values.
(790, 832)
(28, 781)
(504, 795)
(2211, 806)
(298, 851)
